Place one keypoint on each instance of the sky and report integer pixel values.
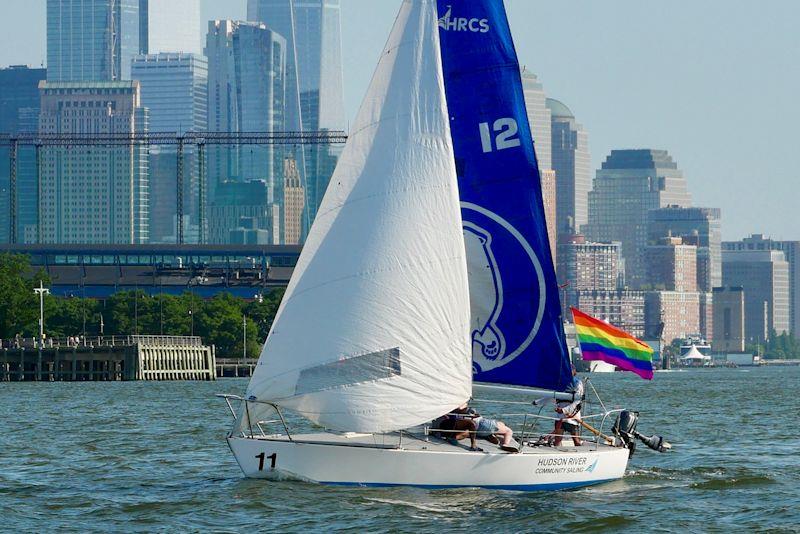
(714, 82)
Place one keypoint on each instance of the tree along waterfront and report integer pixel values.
(219, 321)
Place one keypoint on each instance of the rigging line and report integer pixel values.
(596, 394)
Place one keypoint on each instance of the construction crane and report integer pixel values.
(198, 139)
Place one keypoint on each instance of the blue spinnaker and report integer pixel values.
(517, 330)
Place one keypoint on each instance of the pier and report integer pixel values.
(777, 363)
(108, 358)
(235, 367)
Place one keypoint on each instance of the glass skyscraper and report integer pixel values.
(93, 40)
(246, 93)
(314, 76)
(629, 184)
(19, 113)
(174, 89)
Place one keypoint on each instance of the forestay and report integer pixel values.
(517, 331)
(373, 331)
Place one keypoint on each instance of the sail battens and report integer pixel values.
(517, 330)
(383, 267)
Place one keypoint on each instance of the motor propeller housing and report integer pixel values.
(625, 428)
(657, 443)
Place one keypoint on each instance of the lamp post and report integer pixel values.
(136, 311)
(42, 291)
(197, 281)
(161, 306)
(244, 337)
(83, 309)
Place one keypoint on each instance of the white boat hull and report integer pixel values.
(367, 460)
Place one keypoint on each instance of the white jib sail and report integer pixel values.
(373, 331)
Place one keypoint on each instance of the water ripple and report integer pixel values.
(142, 457)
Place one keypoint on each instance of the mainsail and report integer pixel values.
(517, 331)
(373, 331)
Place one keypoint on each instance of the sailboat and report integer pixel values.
(425, 272)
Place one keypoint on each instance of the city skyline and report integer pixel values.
(698, 110)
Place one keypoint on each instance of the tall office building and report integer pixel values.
(728, 319)
(246, 93)
(93, 40)
(144, 27)
(174, 90)
(174, 87)
(19, 113)
(671, 274)
(678, 310)
(671, 265)
(764, 275)
(538, 117)
(238, 200)
(593, 277)
(569, 148)
(314, 78)
(293, 203)
(92, 194)
(173, 26)
(791, 252)
(707, 315)
(548, 184)
(629, 184)
(313, 33)
(19, 98)
(622, 308)
(596, 266)
(695, 226)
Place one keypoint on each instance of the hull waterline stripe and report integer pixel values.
(514, 487)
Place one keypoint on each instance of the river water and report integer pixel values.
(134, 456)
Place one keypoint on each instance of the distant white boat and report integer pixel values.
(389, 311)
(598, 366)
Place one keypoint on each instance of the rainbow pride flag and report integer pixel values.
(601, 341)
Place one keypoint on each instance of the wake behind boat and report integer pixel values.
(428, 264)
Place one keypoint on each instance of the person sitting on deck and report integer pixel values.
(457, 425)
(494, 431)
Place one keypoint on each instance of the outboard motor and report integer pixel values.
(625, 428)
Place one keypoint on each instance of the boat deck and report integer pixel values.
(419, 441)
